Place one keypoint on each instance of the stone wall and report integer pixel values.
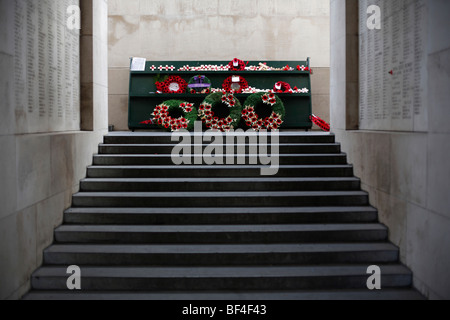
(216, 30)
(43, 152)
(403, 164)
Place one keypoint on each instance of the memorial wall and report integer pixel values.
(399, 153)
(43, 154)
(46, 62)
(393, 62)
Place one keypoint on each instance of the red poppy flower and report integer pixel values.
(188, 110)
(248, 123)
(244, 112)
(185, 125)
(265, 98)
(201, 108)
(271, 96)
(272, 101)
(166, 126)
(251, 109)
(208, 125)
(279, 121)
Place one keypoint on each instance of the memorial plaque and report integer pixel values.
(46, 58)
(20, 57)
(392, 65)
(42, 58)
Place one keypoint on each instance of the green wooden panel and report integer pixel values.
(142, 98)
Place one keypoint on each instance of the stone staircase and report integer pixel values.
(142, 228)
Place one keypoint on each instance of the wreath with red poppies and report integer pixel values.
(229, 85)
(320, 123)
(213, 101)
(185, 120)
(173, 84)
(237, 65)
(263, 100)
(282, 87)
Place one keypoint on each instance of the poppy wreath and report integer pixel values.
(199, 84)
(173, 84)
(257, 100)
(243, 84)
(282, 87)
(207, 115)
(237, 65)
(162, 118)
(320, 123)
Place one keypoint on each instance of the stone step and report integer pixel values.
(141, 226)
(219, 199)
(312, 295)
(165, 137)
(288, 148)
(147, 279)
(307, 233)
(219, 216)
(219, 184)
(220, 254)
(215, 171)
(166, 159)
